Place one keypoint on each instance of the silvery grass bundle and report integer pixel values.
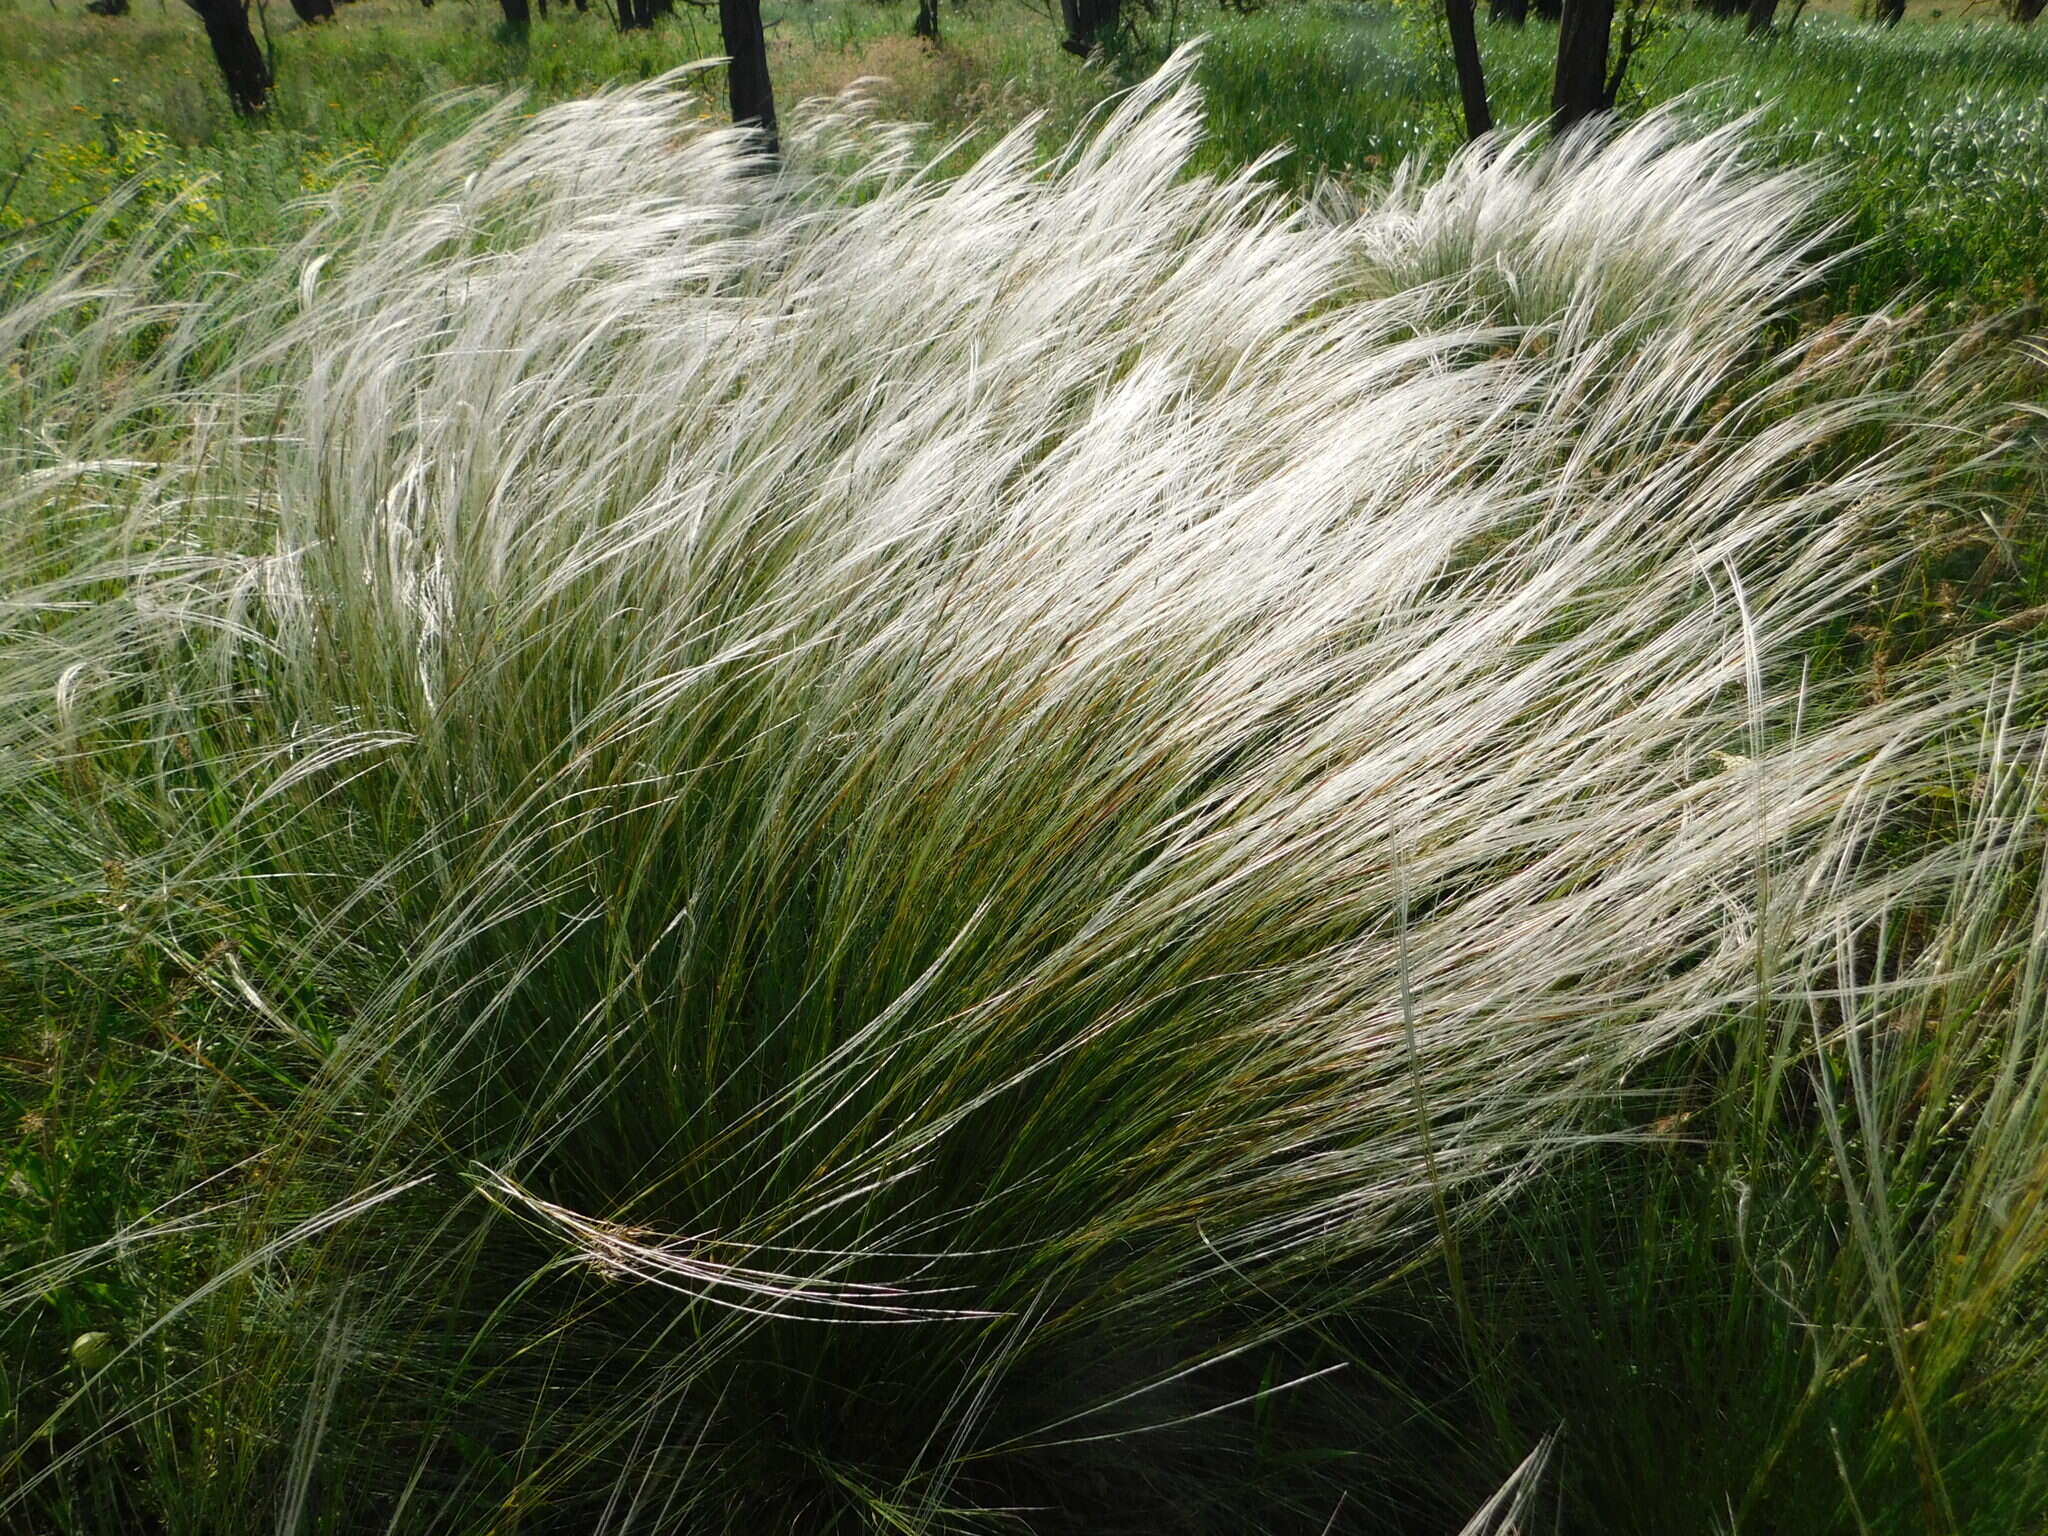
(853, 847)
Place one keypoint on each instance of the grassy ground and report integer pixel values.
(1782, 1268)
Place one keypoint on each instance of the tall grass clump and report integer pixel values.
(840, 849)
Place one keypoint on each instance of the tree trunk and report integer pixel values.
(1514, 12)
(635, 15)
(243, 68)
(1581, 88)
(313, 10)
(2027, 12)
(518, 17)
(1761, 14)
(746, 74)
(926, 25)
(1089, 23)
(1471, 72)
(1891, 12)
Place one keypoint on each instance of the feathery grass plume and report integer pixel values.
(849, 861)
(1665, 224)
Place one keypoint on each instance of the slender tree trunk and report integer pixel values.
(926, 25)
(635, 15)
(1514, 12)
(1761, 14)
(1580, 91)
(243, 68)
(1089, 22)
(746, 75)
(1471, 72)
(518, 16)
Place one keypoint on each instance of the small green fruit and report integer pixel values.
(90, 1351)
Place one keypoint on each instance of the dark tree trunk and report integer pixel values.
(313, 10)
(1891, 12)
(1761, 14)
(1580, 91)
(635, 15)
(243, 68)
(1514, 12)
(746, 72)
(1089, 24)
(926, 25)
(1471, 73)
(518, 17)
(2027, 12)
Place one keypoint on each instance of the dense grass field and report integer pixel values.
(1023, 835)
